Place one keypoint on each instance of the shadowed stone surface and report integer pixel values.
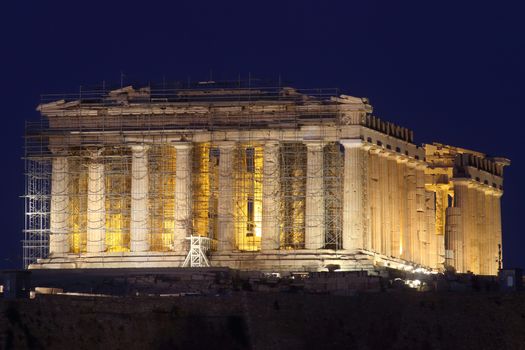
(246, 320)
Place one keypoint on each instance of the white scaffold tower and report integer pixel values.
(196, 257)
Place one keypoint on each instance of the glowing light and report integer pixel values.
(413, 283)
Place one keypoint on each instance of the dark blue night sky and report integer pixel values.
(453, 71)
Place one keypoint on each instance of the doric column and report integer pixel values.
(478, 236)
(59, 220)
(270, 201)
(375, 200)
(225, 229)
(139, 224)
(422, 235)
(430, 223)
(183, 195)
(497, 229)
(454, 238)
(404, 234)
(413, 244)
(484, 230)
(314, 202)
(96, 211)
(488, 253)
(461, 198)
(386, 235)
(367, 211)
(353, 194)
(394, 206)
(470, 233)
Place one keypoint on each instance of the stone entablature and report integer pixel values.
(255, 113)
(325, 133)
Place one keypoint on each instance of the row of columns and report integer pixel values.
(474, 228)
(402, 213)
(353, 218)
(386, 207)
(96, 212)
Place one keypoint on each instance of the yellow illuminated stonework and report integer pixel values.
(162, 167)
(293, 189)
(248, 197)
(117, 199)
(333, 171)
(77, 205)
(205, 183)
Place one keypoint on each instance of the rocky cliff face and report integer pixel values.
(249, 320)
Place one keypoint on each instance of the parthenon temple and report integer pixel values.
(274, 179)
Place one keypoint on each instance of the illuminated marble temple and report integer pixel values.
(276, 179)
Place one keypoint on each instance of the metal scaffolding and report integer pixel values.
(37, 202)
(293, 192)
